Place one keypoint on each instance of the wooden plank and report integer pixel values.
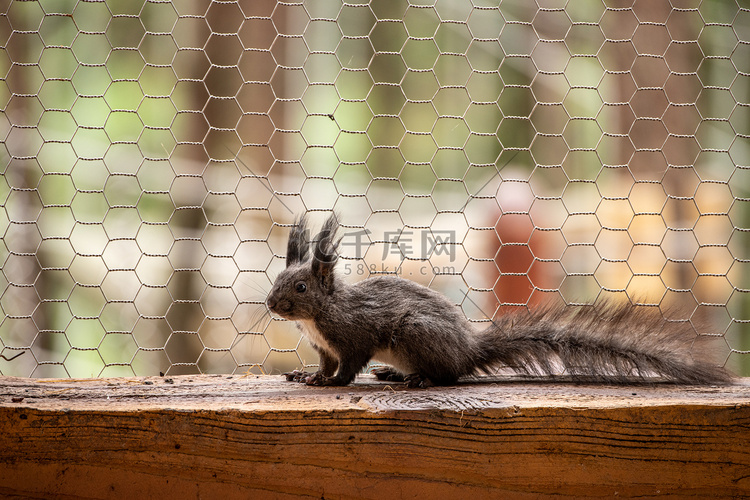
(260, 437)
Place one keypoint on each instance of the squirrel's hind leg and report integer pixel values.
(388, 374)
(413, 380)
(416, 380)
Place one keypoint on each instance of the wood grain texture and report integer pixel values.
(259, 437)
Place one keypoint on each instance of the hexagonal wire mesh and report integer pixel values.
(505, 153)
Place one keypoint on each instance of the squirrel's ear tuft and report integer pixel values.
(325, 254)
(298, 247)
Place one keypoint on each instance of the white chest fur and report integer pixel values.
(309, 330)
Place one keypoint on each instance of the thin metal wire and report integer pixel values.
(506, 153)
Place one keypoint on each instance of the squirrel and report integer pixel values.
(427, 340)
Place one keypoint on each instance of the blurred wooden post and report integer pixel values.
(259, 437)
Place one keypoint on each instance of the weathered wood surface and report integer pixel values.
(260, 437)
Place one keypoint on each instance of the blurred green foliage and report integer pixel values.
(143, 141)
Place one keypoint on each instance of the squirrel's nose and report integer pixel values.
(271, 303)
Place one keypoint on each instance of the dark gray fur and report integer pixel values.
(428, 340)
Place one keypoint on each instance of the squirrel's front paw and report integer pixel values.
(319, 379)
(308, 378)
(298, 376)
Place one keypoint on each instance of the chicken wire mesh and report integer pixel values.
(506, 153)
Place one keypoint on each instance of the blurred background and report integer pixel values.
(508, 154)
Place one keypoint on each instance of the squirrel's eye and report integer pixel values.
(300, 287)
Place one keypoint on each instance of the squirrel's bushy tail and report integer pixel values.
(603, 342)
